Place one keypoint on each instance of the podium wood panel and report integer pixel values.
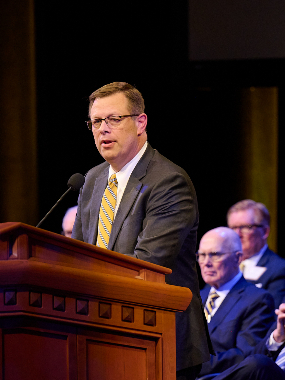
(70, 310)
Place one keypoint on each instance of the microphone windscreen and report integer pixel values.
(76, 181)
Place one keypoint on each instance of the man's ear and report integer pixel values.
(266, 232)
(141, 122)
(239, 257)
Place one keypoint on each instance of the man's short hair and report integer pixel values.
(136, 101)
(261, 213)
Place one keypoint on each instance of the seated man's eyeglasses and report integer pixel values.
(246, 228)
(214, 256)
(112, 121)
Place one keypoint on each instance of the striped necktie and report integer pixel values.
(280, 361)
(210, 305)
(106, 213)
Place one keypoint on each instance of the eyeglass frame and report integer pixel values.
(249, 226)
(210, 255)
(107, 121)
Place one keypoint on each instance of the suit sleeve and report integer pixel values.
(261, 347)
(251, 328)
(171, 217)
(77, 227)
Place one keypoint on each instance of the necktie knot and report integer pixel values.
(113, 180)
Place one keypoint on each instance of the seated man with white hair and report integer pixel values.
(238, 313)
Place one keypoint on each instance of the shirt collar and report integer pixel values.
(253, 260)
(126, 171)
(225, 288)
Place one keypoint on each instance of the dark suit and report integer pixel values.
(261, 348)
(241, 321)
(257, 366)
(254, 367)
(273, 279)
(157, 221)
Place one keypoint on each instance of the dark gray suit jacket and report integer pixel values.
(157, 221)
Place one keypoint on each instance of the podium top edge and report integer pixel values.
(21, 228)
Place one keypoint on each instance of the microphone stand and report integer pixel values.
(44, 218)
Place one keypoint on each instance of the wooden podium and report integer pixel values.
(72, 311)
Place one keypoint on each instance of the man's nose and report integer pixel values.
(208, 262)
(104, 127)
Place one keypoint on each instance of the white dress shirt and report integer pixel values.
(250, 269)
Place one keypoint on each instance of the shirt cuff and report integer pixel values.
(271, 343)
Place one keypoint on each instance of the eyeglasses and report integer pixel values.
(247, 228)
(112, 121)
(214, 256)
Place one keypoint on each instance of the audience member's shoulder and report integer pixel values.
(253, 291)
(274, 256)
(164, 167)
(166, 163)
(254, 296)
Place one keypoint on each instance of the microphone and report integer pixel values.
(75, 182)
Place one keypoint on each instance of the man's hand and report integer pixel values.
(279, 332)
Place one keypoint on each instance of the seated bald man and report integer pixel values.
(238, 313)
(68, 221)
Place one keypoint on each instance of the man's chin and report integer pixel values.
(209, 279)
(246, 255)
(108, 155)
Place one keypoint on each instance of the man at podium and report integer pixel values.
(141, 204)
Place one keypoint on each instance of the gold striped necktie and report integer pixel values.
(106, 213)
(210, 304)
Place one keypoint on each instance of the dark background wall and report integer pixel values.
(226, 30)
(192, 100)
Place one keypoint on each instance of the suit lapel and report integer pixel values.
(228, 303)
(98, 191)
(264, 259)
(130, 195)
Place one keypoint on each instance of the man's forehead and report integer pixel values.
(243, 214)
(211, 243)
(114, 102)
